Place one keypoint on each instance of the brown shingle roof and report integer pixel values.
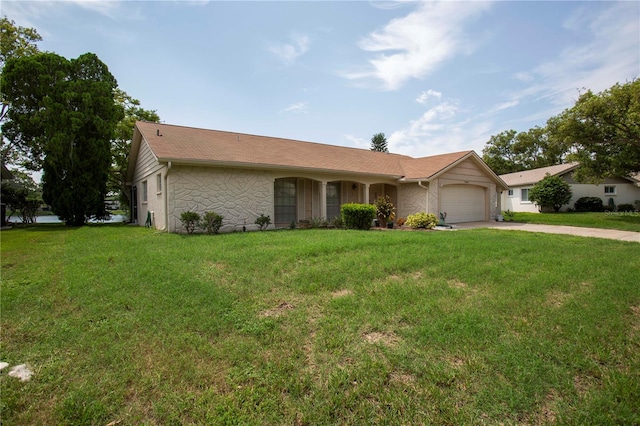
(188, 144)
(529, 177)
(202, 146)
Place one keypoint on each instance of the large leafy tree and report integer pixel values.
(63, 112)
(379, 143)
(604, 132)
(512, 151)
(121, 142)
(499, 153)
(552, 192)
(15, 42)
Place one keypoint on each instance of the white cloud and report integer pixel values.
(299, 107)
(289, 52)
(504, 105)
(103, 7)
(609, 55)
(414, 45)
(426, 95)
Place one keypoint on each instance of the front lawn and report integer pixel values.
(124, 325)
(625, 221)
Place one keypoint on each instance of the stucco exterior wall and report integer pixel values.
(411, 199)
(626, 193)
(239, 195)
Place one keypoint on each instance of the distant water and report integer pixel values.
(115, 218)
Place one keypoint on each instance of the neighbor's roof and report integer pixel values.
(528, 177)
(6, 173)
(190, 145)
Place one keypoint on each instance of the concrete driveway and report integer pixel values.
(611, 234)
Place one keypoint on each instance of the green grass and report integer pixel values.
(123, 324)
(625, 221)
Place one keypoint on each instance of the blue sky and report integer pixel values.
(434, 77)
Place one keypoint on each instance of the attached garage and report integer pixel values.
(463, 203)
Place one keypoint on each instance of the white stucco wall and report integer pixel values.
(626, 193)
(239, 195)
(515, 204)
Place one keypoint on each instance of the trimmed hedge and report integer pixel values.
(358, 216)
(589, 204)
(626, 208)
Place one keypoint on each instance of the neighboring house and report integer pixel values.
(516, 199)
(173, 169)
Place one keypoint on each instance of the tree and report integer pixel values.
(64, 112)
(121, 142)
(604, 132)
(22, 196)
(379, 143)
(499, 154)
(512, 151)
(552, 192)
(15, 42)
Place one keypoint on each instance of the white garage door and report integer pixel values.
(463, 203)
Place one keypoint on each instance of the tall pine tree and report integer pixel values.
(379, 143)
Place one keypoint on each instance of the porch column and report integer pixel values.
(323, 199)
(366, 193)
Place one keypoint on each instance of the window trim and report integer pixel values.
(145, 191)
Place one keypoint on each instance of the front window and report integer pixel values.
(610, 190)
(159, 182)
(144, 191)
(510, 193)
(525, 195)
(285, 200)
(333, 200)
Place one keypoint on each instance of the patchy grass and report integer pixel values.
(625, 221)
(123, 325)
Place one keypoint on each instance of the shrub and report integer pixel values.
(211, 222)
(318, 222)
(358, 216)
(422, 220)
(337, 222)
(263, 221)
(552, 192)
(589, 204)
(508, 215)
(385, 210)
(626, 207)
(190, 221)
